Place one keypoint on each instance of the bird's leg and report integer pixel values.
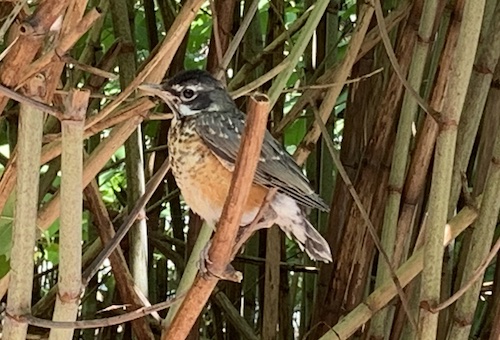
(204, 264)
(266, 220)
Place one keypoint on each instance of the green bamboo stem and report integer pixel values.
(481, 239)
(134, 160)
(406, 273)
(70, 239)
(400, 158)
(343, 71)
(475, 101)
(443, 164)
(297, 50)
(190, 271)
(24, 228)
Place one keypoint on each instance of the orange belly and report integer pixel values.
(204, 181)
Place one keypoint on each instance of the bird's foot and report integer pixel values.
(206, 267)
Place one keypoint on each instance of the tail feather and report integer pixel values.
(292, 221)
(308, 239)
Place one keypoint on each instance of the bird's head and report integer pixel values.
(191, 92)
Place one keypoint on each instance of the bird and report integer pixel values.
(203, 142)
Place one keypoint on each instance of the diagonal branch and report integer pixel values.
(224, 239)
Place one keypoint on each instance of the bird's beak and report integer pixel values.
(156, 90)
(162, 92)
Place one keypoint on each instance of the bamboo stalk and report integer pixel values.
(343, 71)
(134, 160)
(443, 164)
(406, 273)
(475, 101)
(70, 248)
(298, 50)
(481, 239)
(23, 233)
(400, 157)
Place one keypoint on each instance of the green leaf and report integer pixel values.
(4, 265)
(6, 220)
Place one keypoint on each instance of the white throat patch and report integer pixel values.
(185, 110)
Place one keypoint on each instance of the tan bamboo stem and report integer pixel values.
(443, 164)
(26, 206)
(406, 273)
(70, 230)
(400, 156)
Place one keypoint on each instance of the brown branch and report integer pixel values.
(124, 280)
(224, 239)
(65, 44)
(30, 101)
(129, 221)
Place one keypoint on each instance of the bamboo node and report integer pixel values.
(448, 124)
(36, 86)
(426, 305)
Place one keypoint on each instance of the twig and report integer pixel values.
(233, 45)
(328, 85)
(252, 86)
(89, 69)
(97, 323)
(124, 228)
(364, 214)
(30, 101)
(478, 273)
(394, 62)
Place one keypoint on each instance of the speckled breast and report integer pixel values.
(187, 151)
(203, 180)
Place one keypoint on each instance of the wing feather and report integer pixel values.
(276, 168)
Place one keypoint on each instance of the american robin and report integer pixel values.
(203, 142)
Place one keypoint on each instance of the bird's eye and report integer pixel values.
(188, 93)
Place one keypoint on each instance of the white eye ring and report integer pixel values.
(188, 94)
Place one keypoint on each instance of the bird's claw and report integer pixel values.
(205, 266)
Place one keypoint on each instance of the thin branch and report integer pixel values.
(89, 69)
(30, 101)
(394, 62)
(233, 45)
(478, 273)
(98, 323)
(328, 85)
(124, 228)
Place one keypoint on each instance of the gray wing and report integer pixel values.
(276, 168)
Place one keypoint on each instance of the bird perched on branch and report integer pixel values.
(203, 143)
